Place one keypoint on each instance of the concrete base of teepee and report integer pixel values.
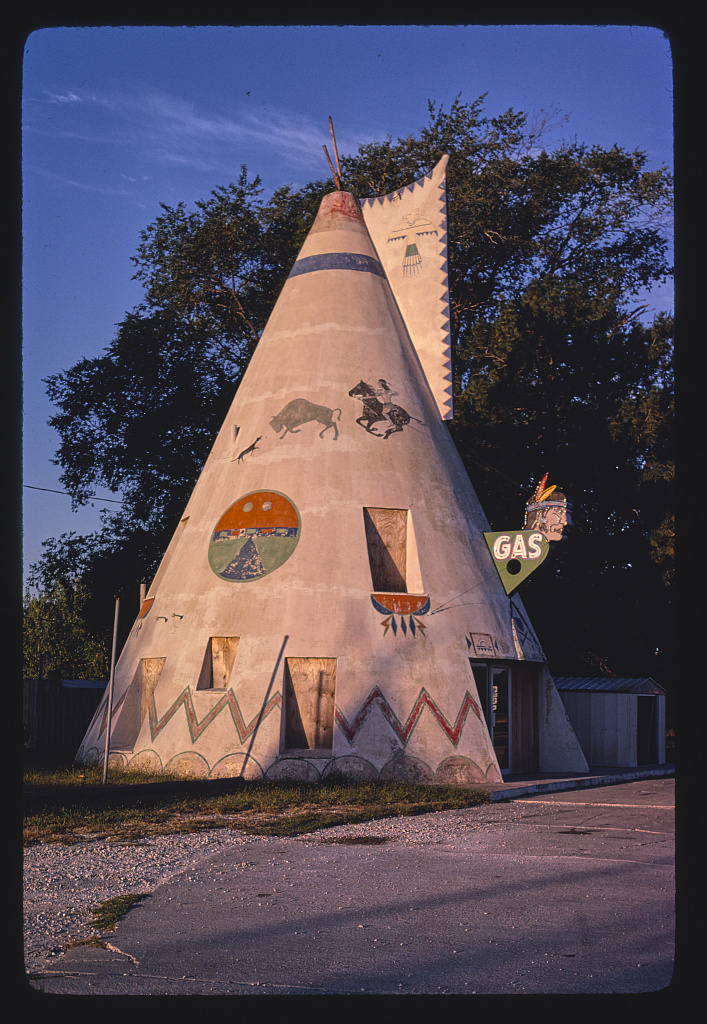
(374, 743)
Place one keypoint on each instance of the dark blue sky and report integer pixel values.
(119, 120)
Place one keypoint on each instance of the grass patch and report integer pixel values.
(105, 918)
(69, 804)
(107, 914)
(357, 841)
(53, 770)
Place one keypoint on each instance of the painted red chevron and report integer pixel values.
(376, 698)
(196, 728)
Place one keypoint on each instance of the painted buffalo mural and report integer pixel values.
(300, 411)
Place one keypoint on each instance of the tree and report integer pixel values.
(556, 364)
(56, 638)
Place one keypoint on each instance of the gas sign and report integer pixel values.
(516, 553)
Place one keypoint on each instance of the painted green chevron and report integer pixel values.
(197, 728)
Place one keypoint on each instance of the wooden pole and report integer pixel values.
(110, 689)
(336, 151)
(331, 168)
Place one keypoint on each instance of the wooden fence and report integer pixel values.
(56, 715)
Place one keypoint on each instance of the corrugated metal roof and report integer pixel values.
(609, 684)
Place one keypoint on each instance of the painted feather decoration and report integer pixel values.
(542, 491)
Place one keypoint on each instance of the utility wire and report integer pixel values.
(492, 469)
(51, 489)
(445, 607)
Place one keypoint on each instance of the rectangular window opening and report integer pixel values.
(387, 541)
(136, 704)
(310, 685)
(218, 663)
(151, 671)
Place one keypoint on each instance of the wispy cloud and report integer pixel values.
(65, 181)
(178, 126)
(68, 97)
(179, 131)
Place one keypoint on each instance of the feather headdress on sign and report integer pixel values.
(548, 511)
(542, 491)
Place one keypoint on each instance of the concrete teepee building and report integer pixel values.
(328, 602)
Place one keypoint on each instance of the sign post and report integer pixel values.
(110, 689)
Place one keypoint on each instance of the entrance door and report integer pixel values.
(500, 714)
(509, 701)
(524, 718)
(492, 683)
(647, 733)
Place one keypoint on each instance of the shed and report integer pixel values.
(619, 722)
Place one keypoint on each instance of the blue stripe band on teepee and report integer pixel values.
(337, 261)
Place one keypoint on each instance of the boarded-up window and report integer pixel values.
(151, 669)
(386, 537)
(309, 703)
(218, 663)
(136, 704)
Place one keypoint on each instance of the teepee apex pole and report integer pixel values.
(331, 168)
(336, 151)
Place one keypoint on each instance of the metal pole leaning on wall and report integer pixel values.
(110, 689)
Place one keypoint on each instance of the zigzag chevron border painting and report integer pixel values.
(376, 698)
(196, 728)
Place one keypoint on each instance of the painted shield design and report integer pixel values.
(253, 537)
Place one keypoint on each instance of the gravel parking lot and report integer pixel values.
(559, 893)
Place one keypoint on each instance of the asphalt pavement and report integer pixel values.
(552, 890)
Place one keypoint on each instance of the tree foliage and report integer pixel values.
(56, 638)
(557, 366)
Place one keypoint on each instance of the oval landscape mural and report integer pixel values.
(256, 535)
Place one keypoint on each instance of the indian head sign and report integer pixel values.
(517, 553)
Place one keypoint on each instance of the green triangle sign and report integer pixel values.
(516, 553)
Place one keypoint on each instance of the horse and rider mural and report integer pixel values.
(378, 406)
